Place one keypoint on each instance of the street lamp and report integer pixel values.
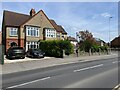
(109, 35)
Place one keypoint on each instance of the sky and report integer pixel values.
(75, 16)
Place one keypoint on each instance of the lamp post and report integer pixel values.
(109, 35)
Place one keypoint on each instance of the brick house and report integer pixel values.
(115, 43)
(26, 30)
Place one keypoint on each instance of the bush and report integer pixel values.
(95, 48)
(86, 46)
(104, 48)
(54, 48)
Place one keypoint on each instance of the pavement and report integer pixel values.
(12, 66)
(26, 59)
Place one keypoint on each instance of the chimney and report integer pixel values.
(32, 12)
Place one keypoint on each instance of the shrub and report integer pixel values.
(55, 48)
(86, 46)
(95, 48)
(104, 48)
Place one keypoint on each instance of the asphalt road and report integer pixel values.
(92, 74)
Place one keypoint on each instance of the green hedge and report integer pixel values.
(96, 48)
(54, 48)
(87, 45)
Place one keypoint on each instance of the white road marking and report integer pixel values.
(88, 68)
(97, 66)
(28, 83)
(115, 62)
(81, 69)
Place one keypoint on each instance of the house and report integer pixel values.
(0, 38)
(61, 33)
(99, 42)
(72, 40)
(115, 43)
(26, 30)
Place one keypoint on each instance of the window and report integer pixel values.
(50, 33)
(32, 31)
(13, 31)
(32, 45)
(58, 34)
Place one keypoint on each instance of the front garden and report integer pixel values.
(56, 48)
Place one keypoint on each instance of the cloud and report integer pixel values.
(95, 16)
(106, 14)
(74, 18)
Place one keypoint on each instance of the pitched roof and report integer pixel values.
(18, 19)
(115, 41)
(55, 25)
(72, 39)
(58, 27)
(14, 19)
(61, 29)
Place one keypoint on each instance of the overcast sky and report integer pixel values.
(93, 16)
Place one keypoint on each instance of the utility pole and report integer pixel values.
(109, 35)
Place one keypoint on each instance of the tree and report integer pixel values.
(86, 35)
(87, 40)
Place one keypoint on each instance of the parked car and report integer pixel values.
(35, 53)
(15, 52)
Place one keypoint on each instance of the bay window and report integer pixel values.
(32, 31)
(32, 45)
(50, 33)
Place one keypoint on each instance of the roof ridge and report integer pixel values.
(16, 12)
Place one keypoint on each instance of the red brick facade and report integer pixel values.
(22, 43)
(9, 41)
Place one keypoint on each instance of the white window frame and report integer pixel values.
(50, 33)
(32, 31)
(29, 43)
(13, 31)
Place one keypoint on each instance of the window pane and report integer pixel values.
(35, 33)
(13, 31)
(32, 31)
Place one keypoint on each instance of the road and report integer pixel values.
(92, 74)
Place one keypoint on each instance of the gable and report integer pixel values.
(39, 19)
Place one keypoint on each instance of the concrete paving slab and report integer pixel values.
(29, 64)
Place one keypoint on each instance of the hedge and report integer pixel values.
(87, 45)
(54, 48)
(96, 48)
